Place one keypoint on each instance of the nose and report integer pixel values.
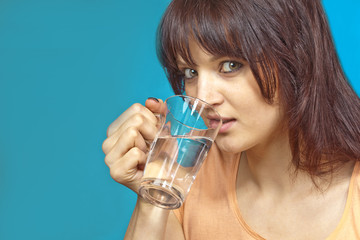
(209, 89)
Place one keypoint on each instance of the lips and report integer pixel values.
(226, 120)
(226, 123)
(214, 123)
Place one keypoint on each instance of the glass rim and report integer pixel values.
(202, 102)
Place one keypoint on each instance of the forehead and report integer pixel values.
(195, 55)
(202, 28)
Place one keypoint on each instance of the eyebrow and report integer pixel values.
(182, 63)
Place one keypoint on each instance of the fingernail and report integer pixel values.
(152, 98)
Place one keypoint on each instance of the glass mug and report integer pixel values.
(188, 129)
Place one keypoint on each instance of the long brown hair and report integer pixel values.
(289, 48)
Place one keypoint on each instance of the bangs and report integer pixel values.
(223, 28)
(199, 21)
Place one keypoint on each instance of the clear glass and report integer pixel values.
(188, 128)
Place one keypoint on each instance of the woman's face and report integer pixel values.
(230, 87)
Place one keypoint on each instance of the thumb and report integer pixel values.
(155, 105)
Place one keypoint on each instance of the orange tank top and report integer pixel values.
(210, 210)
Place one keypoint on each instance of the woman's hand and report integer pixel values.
(125, 147)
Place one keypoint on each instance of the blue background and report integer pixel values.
(67, 69)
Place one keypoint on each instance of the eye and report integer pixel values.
(230, 66)
(190, 73)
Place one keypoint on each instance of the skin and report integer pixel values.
(235, 95)
(125, 149)
(276, 204)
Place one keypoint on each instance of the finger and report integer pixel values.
(130, 139)
(155, 105)
(138, 121)
(134, 109)
(128, 170)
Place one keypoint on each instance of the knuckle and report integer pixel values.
(132, 132)
(137, 107)
(138, 119)
(105, 146)
(108, 160)
(136, 153)
(112, 128)
(116, 174)
(108, 131)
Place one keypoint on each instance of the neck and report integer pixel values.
(268, 167)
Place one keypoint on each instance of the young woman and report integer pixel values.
(285, 164)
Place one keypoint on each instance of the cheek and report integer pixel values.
(190, 90)
(258, 122)
(250, 133)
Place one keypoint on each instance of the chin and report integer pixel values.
(229, 146)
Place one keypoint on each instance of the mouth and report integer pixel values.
(226, 123)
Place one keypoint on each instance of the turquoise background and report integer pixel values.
(67, 69)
